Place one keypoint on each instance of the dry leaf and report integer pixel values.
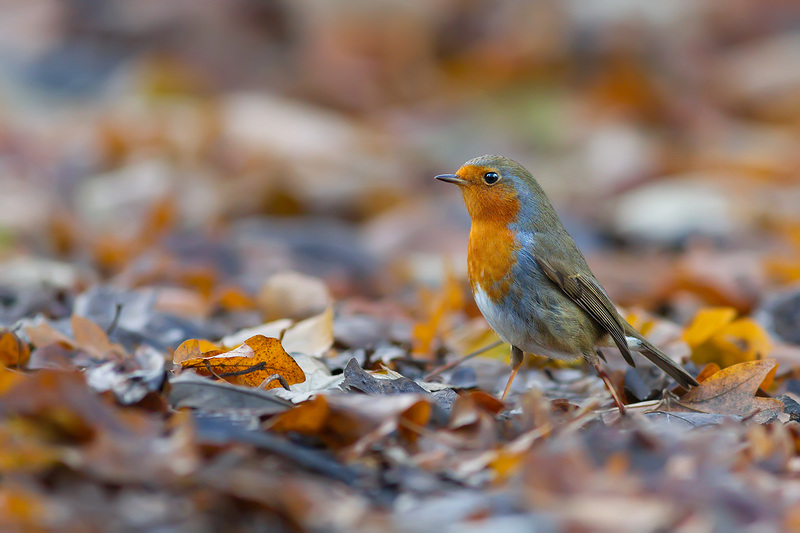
(731, 391)
(293, 295)
(43, 334)
(437, 308)
(706, 323)
(13, 352)
(355, 422)
(91, 338)
(715, 336)
(312, 336)
(709, 370)
(231, 298)
(250, 364)
(195, 348)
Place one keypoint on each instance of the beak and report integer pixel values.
(451, 178)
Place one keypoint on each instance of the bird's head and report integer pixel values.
(495, 188)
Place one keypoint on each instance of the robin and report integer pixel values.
(530, 280)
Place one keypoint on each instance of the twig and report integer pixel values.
(457, 362)
(272, 378)
(210, 369)
(114, 321)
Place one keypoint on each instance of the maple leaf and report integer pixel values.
(731, 391)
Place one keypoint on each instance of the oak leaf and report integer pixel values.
(731, 391)
(252, 363)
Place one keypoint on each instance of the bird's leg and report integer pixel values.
(607, 382)
(516, 361)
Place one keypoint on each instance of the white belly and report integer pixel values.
(510, 328)
(516, 330)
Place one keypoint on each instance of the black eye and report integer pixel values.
(490, 178)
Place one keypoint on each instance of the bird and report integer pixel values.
(532, 283)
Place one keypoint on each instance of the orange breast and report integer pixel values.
(492, 252)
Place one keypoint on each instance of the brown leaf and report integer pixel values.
(250, 364)
(44, 334)
(92, 339)
(13, 352)
(731, 391)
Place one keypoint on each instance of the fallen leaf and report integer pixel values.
(714, 336)
(92, 339)
(356, 378)
(731, 391)
(129, 379)
(706, 323)
(438, 307)
(352, 423)
(13, 352)
(250, 364)
(293, 295)
(231, 298)
(709, 370)
(189, 390)
(312, 336)
(195, 348)
(43, 334)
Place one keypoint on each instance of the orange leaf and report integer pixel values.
(449, 300)
(709, 370)
(13, 352)
(232, 298)
(308, 418)
(250, 364)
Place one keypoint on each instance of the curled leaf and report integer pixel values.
(715, 337)
(13, 352)
(253, 363)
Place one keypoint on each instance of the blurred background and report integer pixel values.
(209, 143)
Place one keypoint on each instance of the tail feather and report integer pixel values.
(638, 343)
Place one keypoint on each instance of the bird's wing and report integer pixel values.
(585, 291)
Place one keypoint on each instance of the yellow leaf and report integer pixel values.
(739, 341)
(505, 464)
(250, 364)
(706, 323)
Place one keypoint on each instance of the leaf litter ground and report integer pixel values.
(225, 272)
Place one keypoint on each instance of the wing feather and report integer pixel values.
(589, 295)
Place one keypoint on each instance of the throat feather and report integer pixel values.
(491, 255)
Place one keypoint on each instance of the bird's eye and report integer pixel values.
(490, 178)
